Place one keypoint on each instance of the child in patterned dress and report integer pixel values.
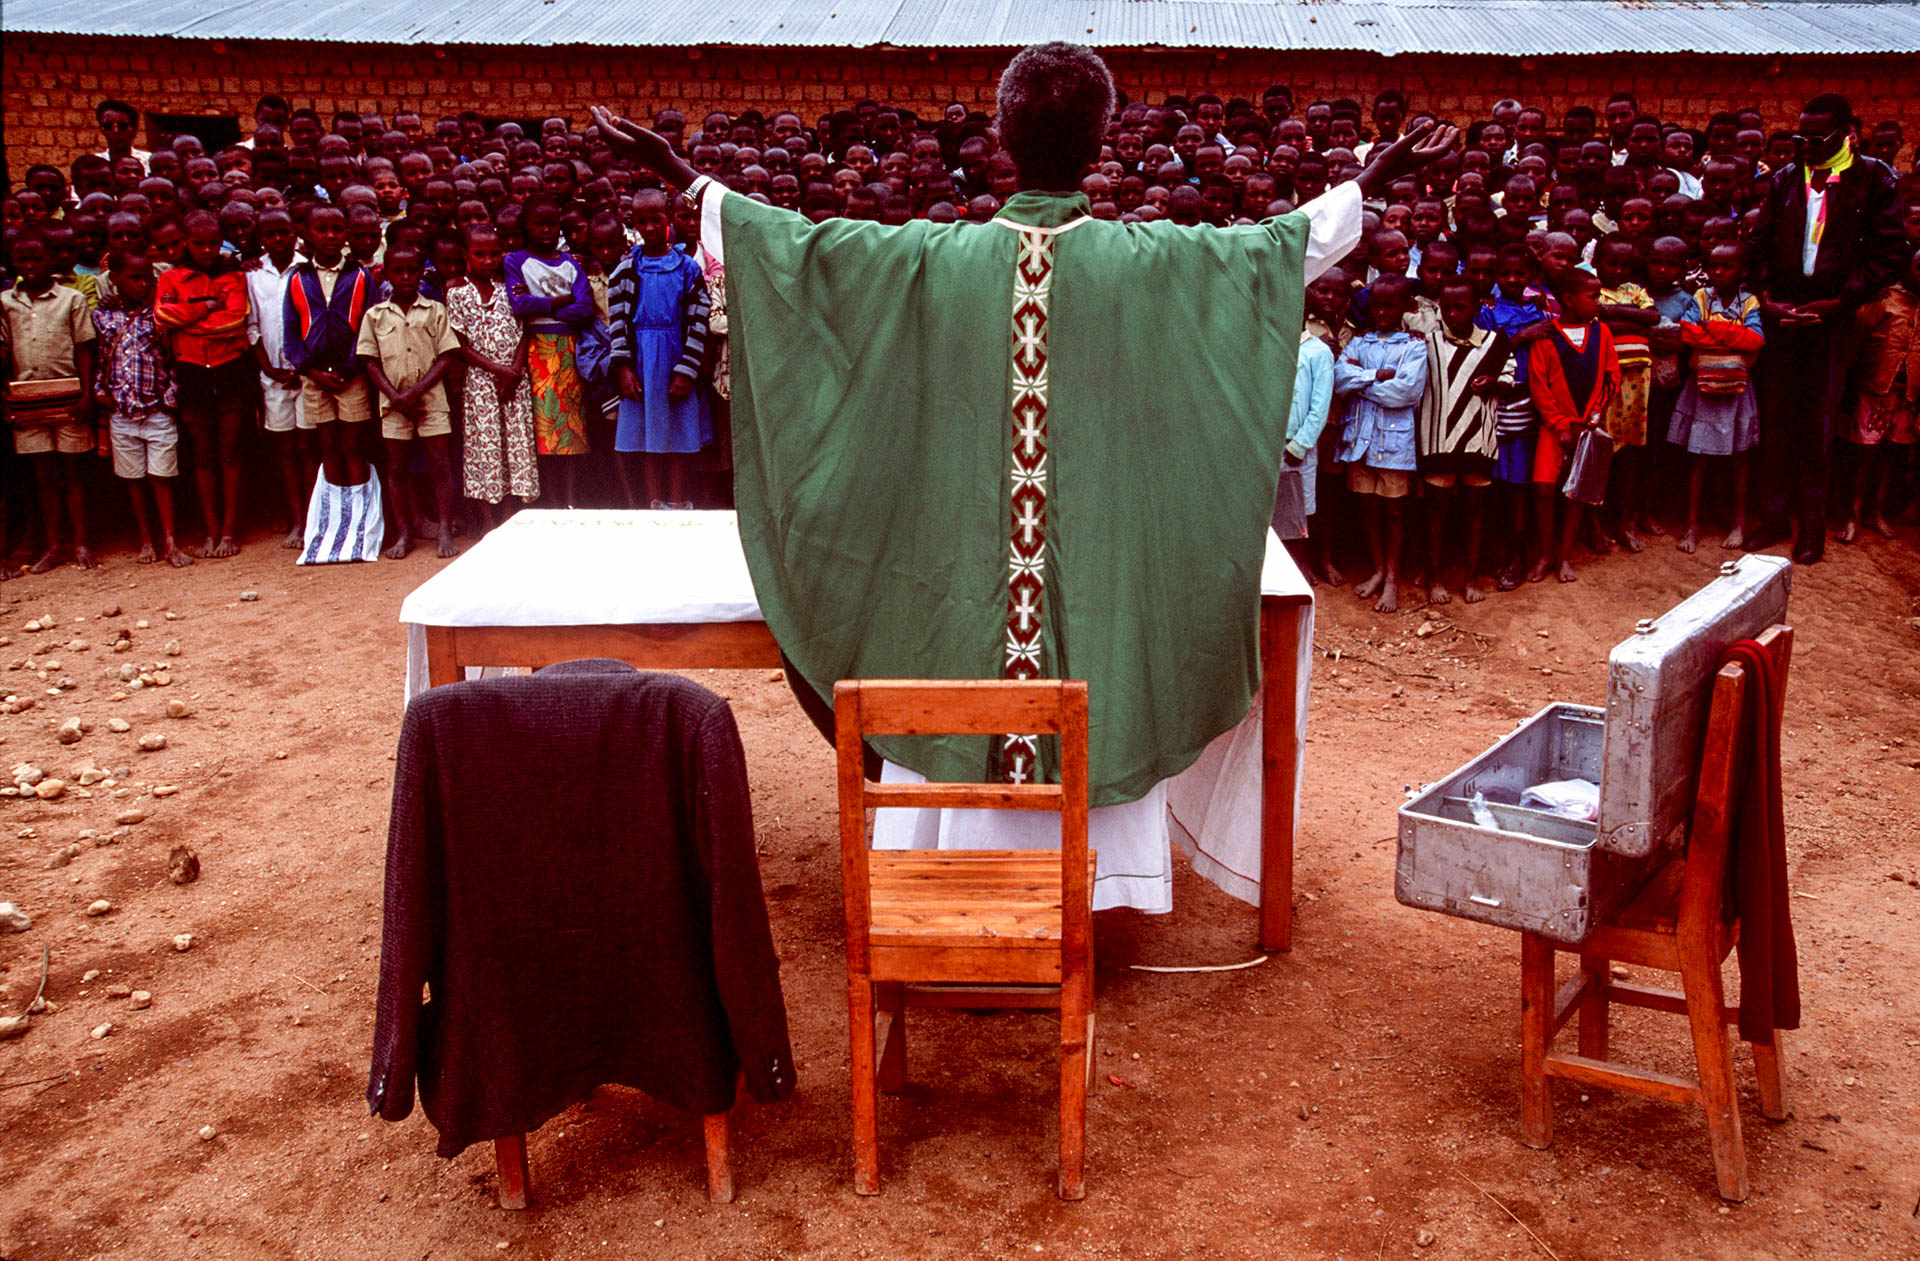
(1628, 312)
(499, 452)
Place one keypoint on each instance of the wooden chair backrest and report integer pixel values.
(963, 707)
(1722, 760)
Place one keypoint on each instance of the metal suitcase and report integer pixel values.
(1559, 877)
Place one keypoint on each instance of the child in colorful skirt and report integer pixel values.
(548, 291)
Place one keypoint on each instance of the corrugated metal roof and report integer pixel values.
(1495, 27)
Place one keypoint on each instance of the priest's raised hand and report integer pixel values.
(648, 148)
(1423, 143)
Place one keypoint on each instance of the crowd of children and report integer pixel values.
(518, 310)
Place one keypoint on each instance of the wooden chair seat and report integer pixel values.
(1646, 931)
(985, 916)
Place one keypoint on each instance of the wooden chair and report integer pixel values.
(978, 928)
(1677, 924)
(510, 1162)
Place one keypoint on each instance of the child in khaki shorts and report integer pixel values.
(407, 345)
(46, 353)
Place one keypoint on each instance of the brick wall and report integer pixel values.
(52, 82)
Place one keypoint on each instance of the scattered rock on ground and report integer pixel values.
(120, 725)
(13, 919)
(62, 856)
(13, 1026)
(130, 817)
(207, 1133)
(248, 597)
(183, 942)
(119, 991)
(152, 742)
(140, 1000)
(70, 732)
(48, 789)
(1425, 1238)
(178, 709)
(173, 648)
(99, 908)
(183, 865)
(101, 1030)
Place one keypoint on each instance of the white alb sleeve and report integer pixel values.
(711, 192)
(1333, 227)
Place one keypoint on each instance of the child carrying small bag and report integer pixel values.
(1716, 415)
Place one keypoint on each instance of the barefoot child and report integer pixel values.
(1382, 376)
(1716, 416)
(136, 386)
(202, 303)
(1628, 312)
(407, 346)
(1889, 409)
(499, 458)
(1510, 311)
(1573, 374)
(658, 302)
(289, 430)
(550, 295)
(1469, 372)
(46, 342)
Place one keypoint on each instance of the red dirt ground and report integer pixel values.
(1336, 1101)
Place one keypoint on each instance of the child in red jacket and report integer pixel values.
(202, 302)
(1572, 373)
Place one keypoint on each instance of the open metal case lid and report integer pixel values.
(1659, 683)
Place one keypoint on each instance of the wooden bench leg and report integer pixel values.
(1593, 1007)
(1713, 1054)
(1767, 1057)
(1074, 1048)
(719, 1158)
(866, 1095)
(1536, 1034)
(891, 998)
(510, 1161)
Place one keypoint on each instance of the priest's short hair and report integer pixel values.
(1055, 101)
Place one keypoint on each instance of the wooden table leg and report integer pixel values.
(443, 662)
(1281, 625)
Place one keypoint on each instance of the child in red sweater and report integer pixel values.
(1572, 373)
(202, 302)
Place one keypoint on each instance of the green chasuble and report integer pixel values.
(1041, 447)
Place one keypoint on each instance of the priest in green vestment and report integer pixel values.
(1042, 447)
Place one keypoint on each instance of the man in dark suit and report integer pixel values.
(1828, 240)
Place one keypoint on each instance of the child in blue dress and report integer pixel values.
(657, 315)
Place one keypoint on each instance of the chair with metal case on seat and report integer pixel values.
(1678, 923)
(976, 928)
